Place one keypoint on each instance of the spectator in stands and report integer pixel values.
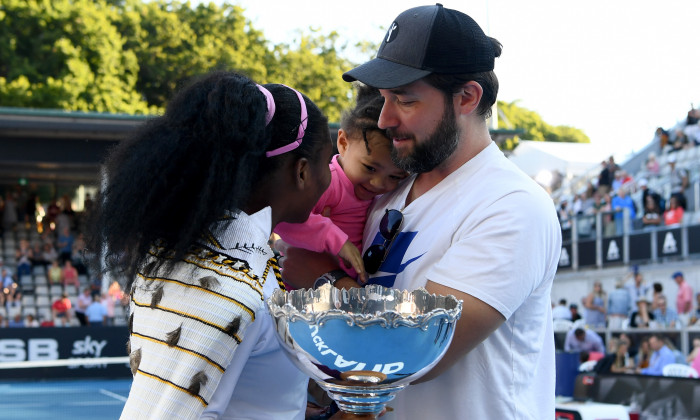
(55, 273)
(31, 322)
(16, 321)
(661, 357)
(38, 255)
(561, 311)
(657, 293)
(637, 287)
(663, 137)
(65, 245)
(3, 266)
(583, 339)
(96, 313)
(564, 213)
(84, 300)
(61, 310)
(609, 227)
(595, 303)
(684, 298)
(643, 355)
(619, 305)
(109, 303)
(9, 216)
(575, 315)
(606, 176)
(622, 179)
(78, 254)
(24, 256)
(695, 317)
(673, 216)
(694, 351)
(652, 213)
(643, 185)
(664, 316)
(641, 318)
(678, 178)
(9, 286)
(652, 165)
(70, 274)
(49, 252)
(617, 360)
(621, 202)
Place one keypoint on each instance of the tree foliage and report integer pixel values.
(130, 56)
(513, 116)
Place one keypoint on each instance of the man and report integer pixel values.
(661, 357)
(582, 339)
(560, 311)
(684, 298)
(96, 313)
(575, 315)
(664, 316)
(638, 288)
(474, 225)
(618, 306)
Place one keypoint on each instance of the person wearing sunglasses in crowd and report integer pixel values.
(361, 171)
(473, 226)
(189, 204)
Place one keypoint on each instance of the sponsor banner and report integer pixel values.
(613, 250)
(586, 253)
(640, 247)
(669, 242)
(44, 344)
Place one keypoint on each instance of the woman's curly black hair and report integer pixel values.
(365, 115)
(180, 172)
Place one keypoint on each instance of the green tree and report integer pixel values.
(513, 116)
(65, 54)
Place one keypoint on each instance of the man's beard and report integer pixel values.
(432, 152)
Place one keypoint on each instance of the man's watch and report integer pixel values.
(330, 278)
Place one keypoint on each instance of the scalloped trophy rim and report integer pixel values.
(280, 304)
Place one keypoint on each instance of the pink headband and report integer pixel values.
(271, 112)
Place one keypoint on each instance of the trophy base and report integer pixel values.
(361, 397)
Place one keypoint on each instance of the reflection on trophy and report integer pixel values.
(364, 345)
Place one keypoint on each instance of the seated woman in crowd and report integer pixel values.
(652, 213)
(674, 214)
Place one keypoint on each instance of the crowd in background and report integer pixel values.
(55, 251)
(633, 305)
(656, 195)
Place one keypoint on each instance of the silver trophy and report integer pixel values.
(364, 345)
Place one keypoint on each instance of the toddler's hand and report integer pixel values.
(351, 255)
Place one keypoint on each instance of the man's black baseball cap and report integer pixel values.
(424, 40)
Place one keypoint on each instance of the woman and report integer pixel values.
(189, 205)
(652, 213)
(596, 306)
(674, 214)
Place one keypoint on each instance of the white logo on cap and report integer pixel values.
(391, 30)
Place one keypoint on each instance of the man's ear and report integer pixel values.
(470, 97)
(342, 142)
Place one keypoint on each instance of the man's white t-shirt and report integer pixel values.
(490, 231)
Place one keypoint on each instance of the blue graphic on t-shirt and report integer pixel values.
(393, 265)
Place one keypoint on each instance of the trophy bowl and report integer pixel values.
(364, 345)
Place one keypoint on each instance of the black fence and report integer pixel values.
(597, 241)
